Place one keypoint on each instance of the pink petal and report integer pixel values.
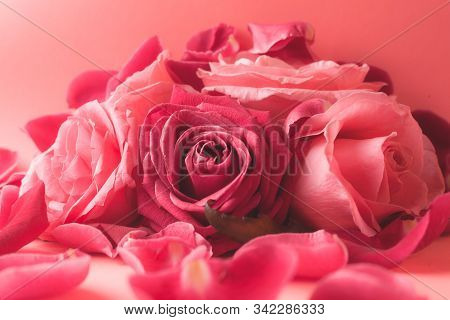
(8, 196)
(283, 40)
(36, 276)
(397, 242)
(164, 249)
(88, 86)
(318, 253)
(365, 282)
(100, 238)
(208, 44)
(141, 58)
(28, 220)
(185, 72)
(43, 130)
(8, 162)
(248, 276)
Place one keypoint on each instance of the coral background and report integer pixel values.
(35, 69)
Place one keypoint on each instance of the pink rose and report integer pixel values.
(89, 171)
(365, 164)
(8, 163)
(271, 84)
(199, 148)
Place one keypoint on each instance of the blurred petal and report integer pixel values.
(37, 276)
(43, 130)
(365, 282)
(88, 86)
(96, 238)
(165, 249)
(248, 276)
(318, 253)
(8, 162)
(28, 219)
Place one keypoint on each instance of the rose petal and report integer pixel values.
(8, 162)
(36, 276)
(236, 278)
(88, 86)
(141, 58)
(96, 238)
(365, 282)
(185, 72)
(318, 253)
(208, 44)
(390, 253)
(284, 40)
(43, 130)
(164, 249)
(28, 220)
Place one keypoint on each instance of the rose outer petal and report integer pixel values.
(43, 130)
(35, 276)
(318, 253)
(427, 229)
(365, 282)
(28, 219)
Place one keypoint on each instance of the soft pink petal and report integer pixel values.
(37, 276)
(141, 58)
(8, 196)
(365, 282)
(43, 130)
(88, 86)
(318, 253)
(248, 276)
(401, 237)
(8, 162)
(28, 219)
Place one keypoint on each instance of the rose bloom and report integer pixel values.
(364, 159)
(271, 84)
(199, 148)
(89, 171)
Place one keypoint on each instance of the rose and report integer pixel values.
(199, 148)
(271, 84)
(89, 171)
(366, 159)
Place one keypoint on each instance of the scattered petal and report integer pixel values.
(365, 282)
(37, 276)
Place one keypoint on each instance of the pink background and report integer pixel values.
(35, 70)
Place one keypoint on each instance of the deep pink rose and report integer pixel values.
(199, 148)
(365, 164)
(89, 171)
(271, 84)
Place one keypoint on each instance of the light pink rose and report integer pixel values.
(89, 171)
(271, 84)
(366, 163)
